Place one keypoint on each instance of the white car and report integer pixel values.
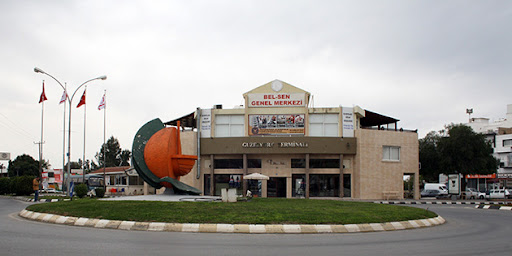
(498, 194)
(471, 193)
(49, 190)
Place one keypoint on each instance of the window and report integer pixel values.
(135, 180)
(316, 163)
(299, 163)
(236, 163)
(390, 153)
(229, 126)
(324, 185)
(324, 163)
(228, 164)
(253, 163)
(507, 143)
(323, 125)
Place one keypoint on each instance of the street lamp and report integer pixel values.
(70, 100)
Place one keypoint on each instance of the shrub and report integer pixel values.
(100, 193)
(81, 190)
(5, 186)
(22, 186)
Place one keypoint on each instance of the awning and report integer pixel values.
(256, 176)
(375, 119)
(186, 121)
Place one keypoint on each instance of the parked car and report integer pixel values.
(498, 194)
(481, 195)
(49, 190)
(471, 193)
(430, 193)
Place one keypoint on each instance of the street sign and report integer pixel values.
(5, 156)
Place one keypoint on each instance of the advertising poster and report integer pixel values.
(276, 125)
(206, 123)
(348, 122)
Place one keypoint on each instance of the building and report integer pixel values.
(123, 180)
(500, 135)
(307, 152)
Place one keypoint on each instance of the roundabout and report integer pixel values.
(275, 217)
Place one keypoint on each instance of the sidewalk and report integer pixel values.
(450, 202)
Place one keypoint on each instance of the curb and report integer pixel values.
(494, 207)
(441, 202)
(231, 228)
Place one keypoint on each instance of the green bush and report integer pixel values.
(81, 190)
(22, 186)
(5, 186)
(100, 193)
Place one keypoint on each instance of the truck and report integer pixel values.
(442, 188)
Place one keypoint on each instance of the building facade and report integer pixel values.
(305, 151)
(499, 133)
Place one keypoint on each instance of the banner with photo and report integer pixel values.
(276, 124)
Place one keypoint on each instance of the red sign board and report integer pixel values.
(481, 176)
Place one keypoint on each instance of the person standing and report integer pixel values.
(35, 187)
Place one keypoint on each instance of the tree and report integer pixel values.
(125, 157)
(466, 152)
(114, 155)
(457, 149)
(430, 156)
(75, 165)
(23, 165)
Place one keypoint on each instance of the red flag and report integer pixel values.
(43, 95)
(102, 103)
(82, 100)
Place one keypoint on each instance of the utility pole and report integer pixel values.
(40, 145)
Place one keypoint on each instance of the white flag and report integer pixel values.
(63, 98)
(102, 103)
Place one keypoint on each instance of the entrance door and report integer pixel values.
(276, 187)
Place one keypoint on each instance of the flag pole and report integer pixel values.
(85, 121)
(104, 137)
(64, 139)
(42, 128)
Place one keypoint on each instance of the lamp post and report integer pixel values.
(70, 100)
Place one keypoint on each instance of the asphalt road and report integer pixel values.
(468, 231)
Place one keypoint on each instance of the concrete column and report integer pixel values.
(244, 183)
(146, 189)
(264, 188)
(341, 176)
(288, 187)
(307, 176)
(212, 179)
(417, 194)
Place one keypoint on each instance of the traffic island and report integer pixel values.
(231, 228)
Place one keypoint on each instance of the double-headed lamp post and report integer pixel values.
(70, 100)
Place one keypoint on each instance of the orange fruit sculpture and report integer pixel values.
(163, 155)
(158, 159)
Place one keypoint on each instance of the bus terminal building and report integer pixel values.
(345, 152)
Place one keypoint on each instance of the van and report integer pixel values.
(443, 190)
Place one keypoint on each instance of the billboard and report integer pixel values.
(270, 100)
(292, 124)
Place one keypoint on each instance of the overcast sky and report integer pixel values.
(423, 62)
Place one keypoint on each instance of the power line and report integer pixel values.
(17, 129)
